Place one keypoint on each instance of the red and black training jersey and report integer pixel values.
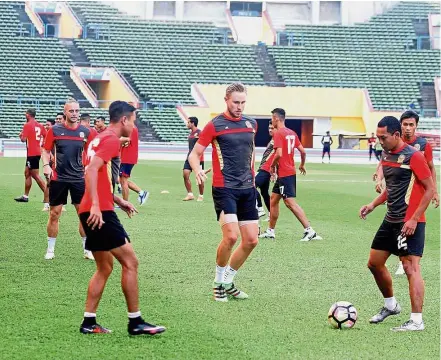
(403, 171)
(69, 145)
(267, 157)
(421, 144)
(232, 140)
(192, 140)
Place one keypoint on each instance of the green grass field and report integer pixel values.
(291, 284)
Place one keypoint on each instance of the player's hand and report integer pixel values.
(365, 210)
(374, 177)
(201, 177)
(379, 187)
(409, 227)
(273, 178)
(435, 200)
(302, 169)
(128, 208)
(47, 171)
(95, 218)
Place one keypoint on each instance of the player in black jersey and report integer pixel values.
(263, 176)
(192, 124)
(326, 142)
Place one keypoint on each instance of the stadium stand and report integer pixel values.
(379, 55)
(161, 59)
(169, 57)
(31, 71)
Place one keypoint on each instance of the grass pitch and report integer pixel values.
(291, 284)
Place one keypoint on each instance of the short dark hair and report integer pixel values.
(60, 114)
(391, 123)
(327, 132)
(409, 114)
(85, 116)
(100, 118)
(32, 112)
(279, 112)
(52, 121)
(194, 120)
(118, 109)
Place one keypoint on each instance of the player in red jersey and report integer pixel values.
(231, 135)
(106, 237)
(85, 121)
(409, 189)
(283, 168)
(409, 123)
(33, 134)
(129, 158)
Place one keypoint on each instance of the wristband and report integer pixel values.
(46, 165)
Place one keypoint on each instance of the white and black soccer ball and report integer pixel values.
(342, 315)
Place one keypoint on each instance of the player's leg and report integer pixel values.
(225, 205)
(186, 175)
(104, 267)
(370, 152)
(143, 195)
(36, 176)
(248, 221)
(274, 214)
(383, 245)
(77, 190)
(129, 284)
(124, 181)
(377, 266)
(28, 183)
(329, 154)
(410, 251)
(52, 229)
(323, 155)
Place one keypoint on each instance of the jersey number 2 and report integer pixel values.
(38, 136)
(291, 143)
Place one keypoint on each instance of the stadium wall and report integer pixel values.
(69, 26)
(350, 110)
(116, 89)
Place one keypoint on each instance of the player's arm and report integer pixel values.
(302, 158)
(323, 140)
(428, 154)
(194, 160)
(96, 217)
(378, 177)
(330, 140)
(367, 209)
(46, 153)
(23, 133)
(124, 205)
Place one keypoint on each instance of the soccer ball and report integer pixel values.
(342, 315)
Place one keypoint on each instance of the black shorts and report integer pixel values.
(33, 162)
(111, 235)
(188, 167)
(262, 179)
(125, 170)
(58, 192)
(388, 238)
(285, 186)
(326, 149)
(241, 202)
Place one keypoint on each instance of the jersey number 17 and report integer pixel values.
(291, 143)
